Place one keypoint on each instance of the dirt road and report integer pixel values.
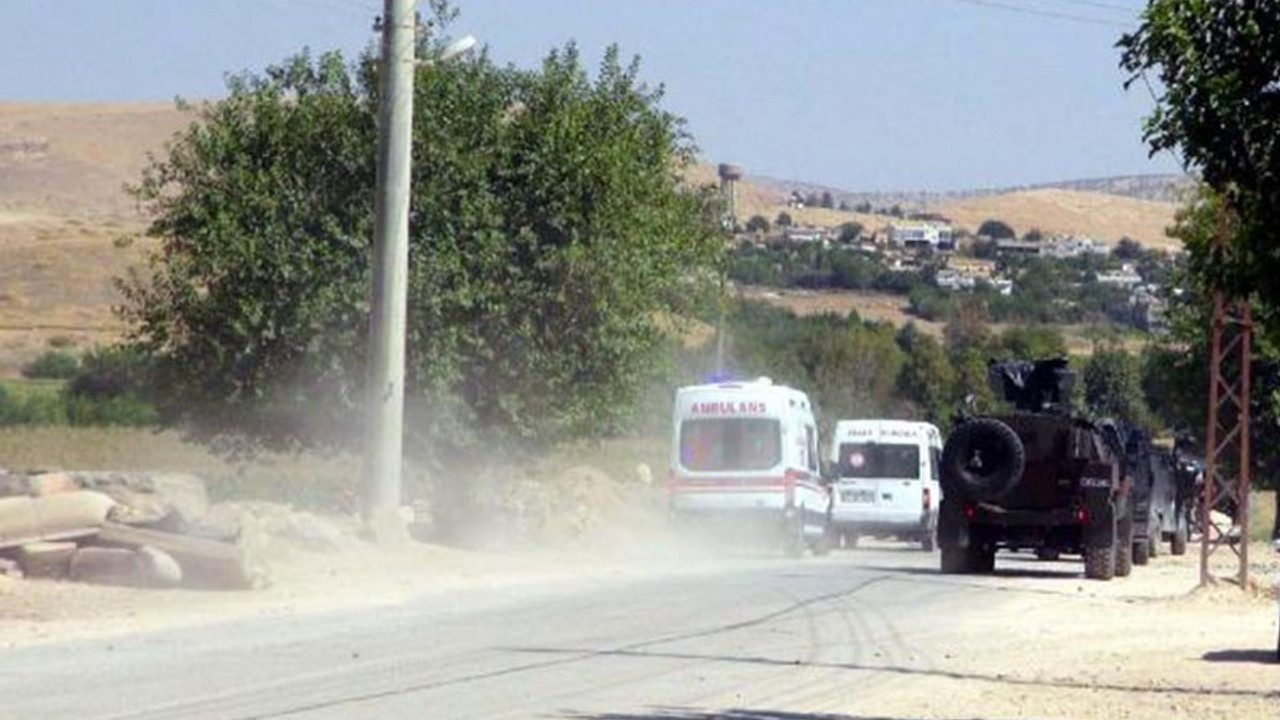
(874, 632)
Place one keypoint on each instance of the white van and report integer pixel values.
(886, 480)
(745, 454)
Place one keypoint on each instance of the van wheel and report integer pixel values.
(822, 546)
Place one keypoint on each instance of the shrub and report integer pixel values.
(53, 365)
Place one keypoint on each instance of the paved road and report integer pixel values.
(761, 633)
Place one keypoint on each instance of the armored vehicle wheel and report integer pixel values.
(1157, 536)
(1046, 553)
(985, 559)
(955, 561)
(982, 460)
(1178, 546)
(1124, 548)
(1142, 551)
(1100, 562)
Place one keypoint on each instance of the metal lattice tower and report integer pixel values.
(1227, 437)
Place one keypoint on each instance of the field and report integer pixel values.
(892, 309)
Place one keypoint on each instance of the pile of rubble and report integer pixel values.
(134, 529)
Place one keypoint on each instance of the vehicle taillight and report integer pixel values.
(970, 512)
(925, 500)
(789, 479)
(1082, 515)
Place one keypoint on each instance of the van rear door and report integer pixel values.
(883, 476)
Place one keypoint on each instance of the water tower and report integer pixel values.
(730, 174)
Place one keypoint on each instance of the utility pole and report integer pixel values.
(380, 492)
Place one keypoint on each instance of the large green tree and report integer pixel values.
(550, 238)
(1218, 105)
(1113, 386)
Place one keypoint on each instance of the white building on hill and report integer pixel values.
(922, 236)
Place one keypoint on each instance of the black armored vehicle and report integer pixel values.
(1035, 478)
(1159, 511)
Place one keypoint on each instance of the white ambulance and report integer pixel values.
(745, 454)
(886, 480)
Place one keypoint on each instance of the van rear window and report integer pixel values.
(879, 460)
(730, 444)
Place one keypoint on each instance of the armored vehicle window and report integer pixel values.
(727, 444)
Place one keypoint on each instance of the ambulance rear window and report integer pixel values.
(730, 444)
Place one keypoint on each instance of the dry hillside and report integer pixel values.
(65, 215)
(1105, 217)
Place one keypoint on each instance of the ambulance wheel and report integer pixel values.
(793, 538)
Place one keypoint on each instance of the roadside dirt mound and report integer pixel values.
(566, 508)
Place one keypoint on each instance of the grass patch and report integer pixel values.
(22, 390)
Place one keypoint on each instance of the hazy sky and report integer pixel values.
(858, 94)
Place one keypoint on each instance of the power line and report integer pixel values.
(1102, 5)
(1040, 12)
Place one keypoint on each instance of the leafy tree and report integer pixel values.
(984, 249)
(812, 199)
(783, 220)
(1218, 107)
(927, 379)
(828, 201)
(758, 224)
(1127, 249)
(1113, 386)
(850, 232)
(896, 211)
(1033, 342)
(1034, 235)
(996, 230)
(969, 328)
(844, 206)
(549, 236)
(863, 207)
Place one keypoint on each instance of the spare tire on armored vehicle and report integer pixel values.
(982, 460)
